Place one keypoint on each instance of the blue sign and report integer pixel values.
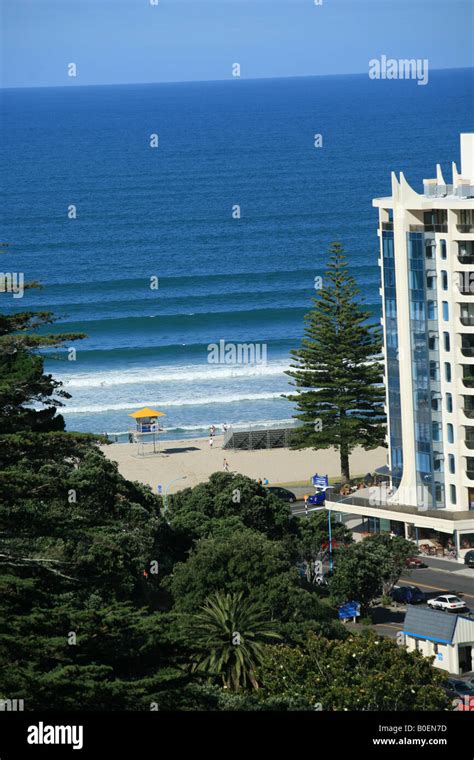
(349, 610)
(320, 480)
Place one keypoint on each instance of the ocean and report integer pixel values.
(168, 213)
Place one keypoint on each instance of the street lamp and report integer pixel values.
(331, 564)
(165, 498)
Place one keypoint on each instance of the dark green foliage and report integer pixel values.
(370, 568)
(101, 597)
(193, 512)
(229, 634)
(248, 562)
(22, 380)
(339, 395)
(313, 535)
(363, 672)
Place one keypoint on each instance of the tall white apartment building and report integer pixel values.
(427, 273)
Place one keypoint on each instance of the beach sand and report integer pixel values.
(194, 459)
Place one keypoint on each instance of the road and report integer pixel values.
(440, 577)
(434, 580)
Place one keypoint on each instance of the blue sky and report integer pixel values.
(125, 41)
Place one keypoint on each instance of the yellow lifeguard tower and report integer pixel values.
(146, 430)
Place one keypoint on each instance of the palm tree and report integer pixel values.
(230, 633)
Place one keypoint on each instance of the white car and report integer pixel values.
(448, 603)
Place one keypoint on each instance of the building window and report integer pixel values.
(445, 311)
(447, 372)
(443, 249)
(452, 493)
(430, 247)
(431, 307)
(439, 491)
(452, 464)
(444, 280)
(450, 429)
(436, 431)
(449, 402)
(447, 342)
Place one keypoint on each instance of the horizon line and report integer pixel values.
(207, 81)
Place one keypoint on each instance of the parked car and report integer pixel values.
(282, 493)
(447, 603)
(415, 562)
(317, 498)
(469, 559)
(458, 688)
(407, 595)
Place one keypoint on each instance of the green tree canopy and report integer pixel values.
(369, 568)
(248, 562)
(23, 382)
(362, 672)
(193, 511)
(229, 634)
(337, 372)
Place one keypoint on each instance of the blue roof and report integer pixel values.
(422, 623)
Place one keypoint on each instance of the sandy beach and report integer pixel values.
(194, 461)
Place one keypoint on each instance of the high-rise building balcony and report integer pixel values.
(470, 467)
(468, 375)
(465, 283)
(466, 252)
(428, 228)
(467, 345)
(465, 221)
(466, 315)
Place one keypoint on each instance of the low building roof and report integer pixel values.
(422, 623)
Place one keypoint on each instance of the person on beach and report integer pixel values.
(224, 428)
(226, 465)
(211, 442)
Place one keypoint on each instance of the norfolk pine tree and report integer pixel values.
(336, 371)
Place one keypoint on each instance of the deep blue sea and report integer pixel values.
(167, 212)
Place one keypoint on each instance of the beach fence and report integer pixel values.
(253, 438)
